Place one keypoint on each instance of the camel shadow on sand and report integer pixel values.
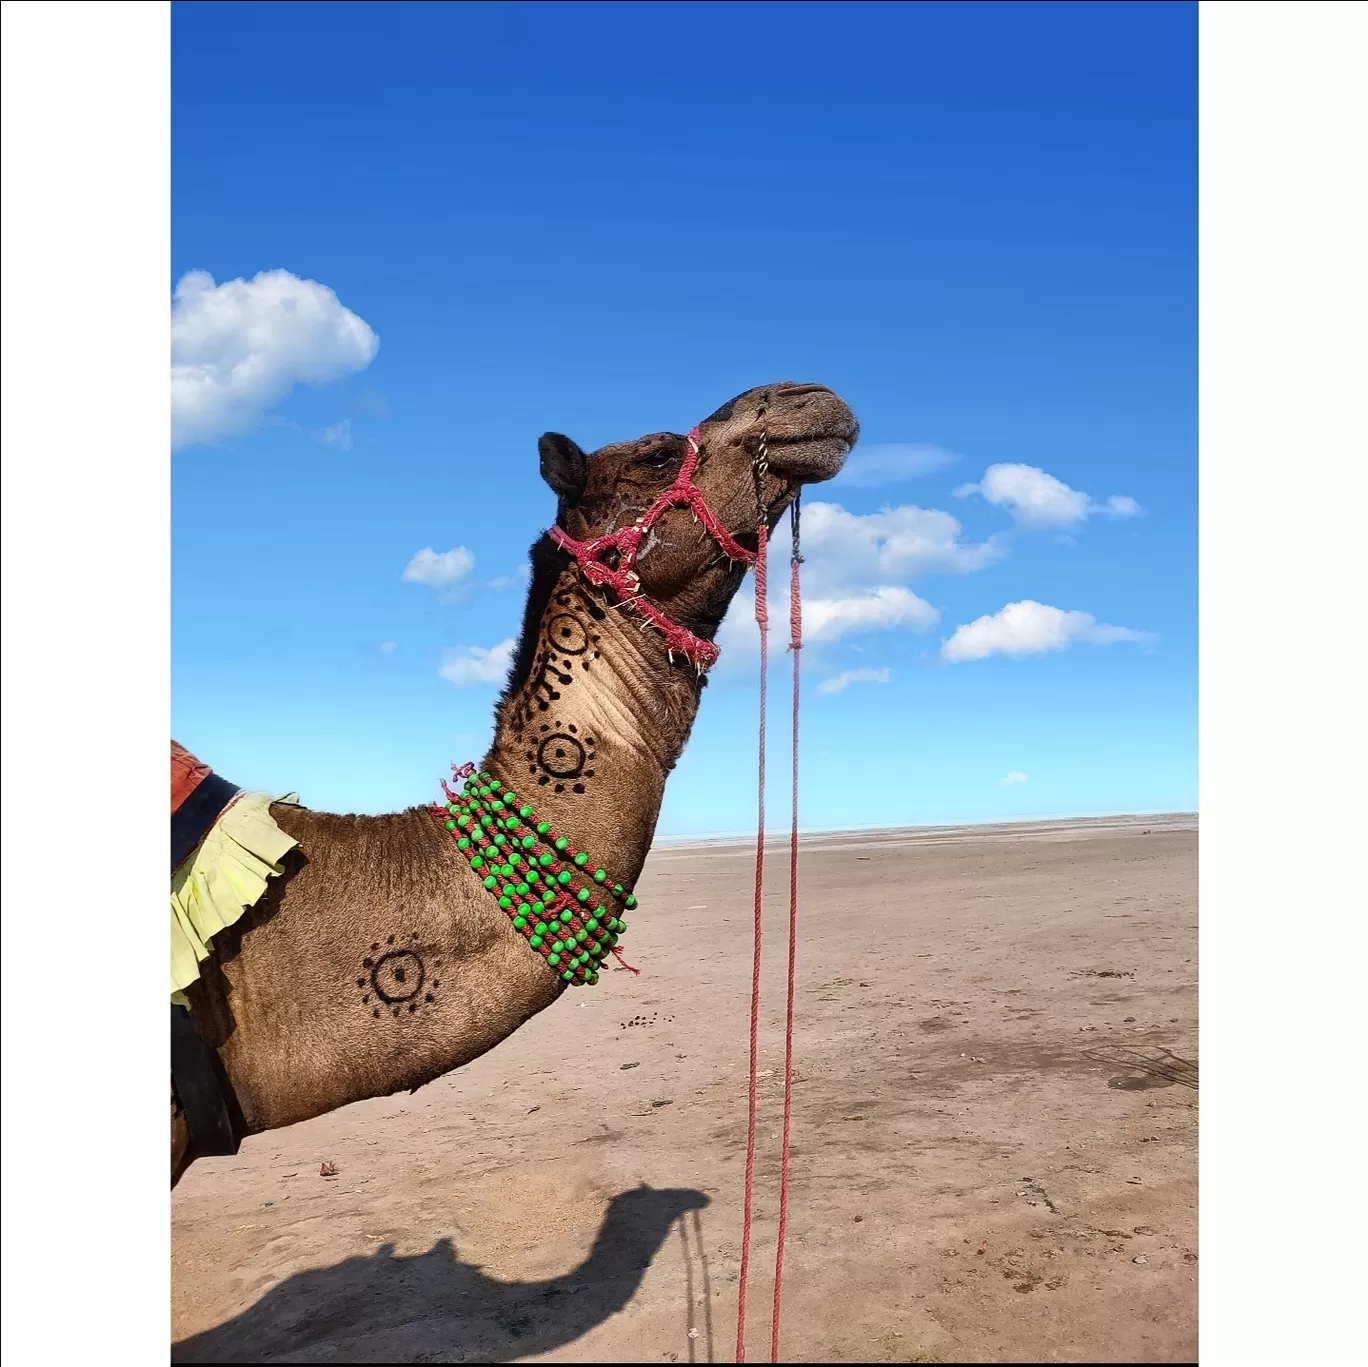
(434, 1308)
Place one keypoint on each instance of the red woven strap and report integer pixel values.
(187, 773)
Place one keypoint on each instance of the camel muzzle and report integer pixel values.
(809, 433)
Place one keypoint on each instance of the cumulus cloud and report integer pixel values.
(1031, 628)
(881, 609)
(1037, 500)
(521, 578)
(465, 665)
(737, 636)
(339, 435)
(1014, 776)
(388, 647)
(842, 681)
(892, 546)
(826, 620)
(239, 348)
(856, 571)
(869, 467)
(445, 572)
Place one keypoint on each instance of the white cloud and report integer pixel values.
(520, 578)
(1014, 776)
(825, 620)
(881, 609)
(1036, 499)
(338, 435)
(1122, 505)
(842, 681)
(855, 574)
(892, 546)
(463, 665)
(239, 348)
(737, 636)
(388, 647)
(1031, 628)
(868, 467)
(444, 573)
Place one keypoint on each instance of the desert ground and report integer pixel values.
(994, 1144)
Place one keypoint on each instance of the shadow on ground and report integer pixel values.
(432, 1307)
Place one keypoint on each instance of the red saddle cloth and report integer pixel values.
(198, 798)
(187, 773)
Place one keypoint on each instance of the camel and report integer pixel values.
(377, 960)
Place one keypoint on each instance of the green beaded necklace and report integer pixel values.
(536, 876)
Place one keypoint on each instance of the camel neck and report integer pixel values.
(591, 731)
(568, 908)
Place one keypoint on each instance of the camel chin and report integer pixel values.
(813, 460)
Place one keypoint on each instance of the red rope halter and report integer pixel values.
(626, 541)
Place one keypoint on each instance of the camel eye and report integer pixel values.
(657, 460)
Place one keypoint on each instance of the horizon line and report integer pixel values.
(776, 834)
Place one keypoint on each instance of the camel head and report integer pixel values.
(755, 453)
(656, 1206)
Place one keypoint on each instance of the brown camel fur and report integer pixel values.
(377, 961)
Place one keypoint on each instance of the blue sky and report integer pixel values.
(976, 222)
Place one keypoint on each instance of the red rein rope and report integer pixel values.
(795, 645)
(762, 621)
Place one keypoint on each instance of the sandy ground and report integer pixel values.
(995, 1135)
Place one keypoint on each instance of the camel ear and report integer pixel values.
(563, 466)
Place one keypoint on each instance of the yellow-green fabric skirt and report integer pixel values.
(225, 875)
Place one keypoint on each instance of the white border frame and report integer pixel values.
(86, 127)
(84, 436)
(1281, 744)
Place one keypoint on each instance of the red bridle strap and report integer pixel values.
(626, 541)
